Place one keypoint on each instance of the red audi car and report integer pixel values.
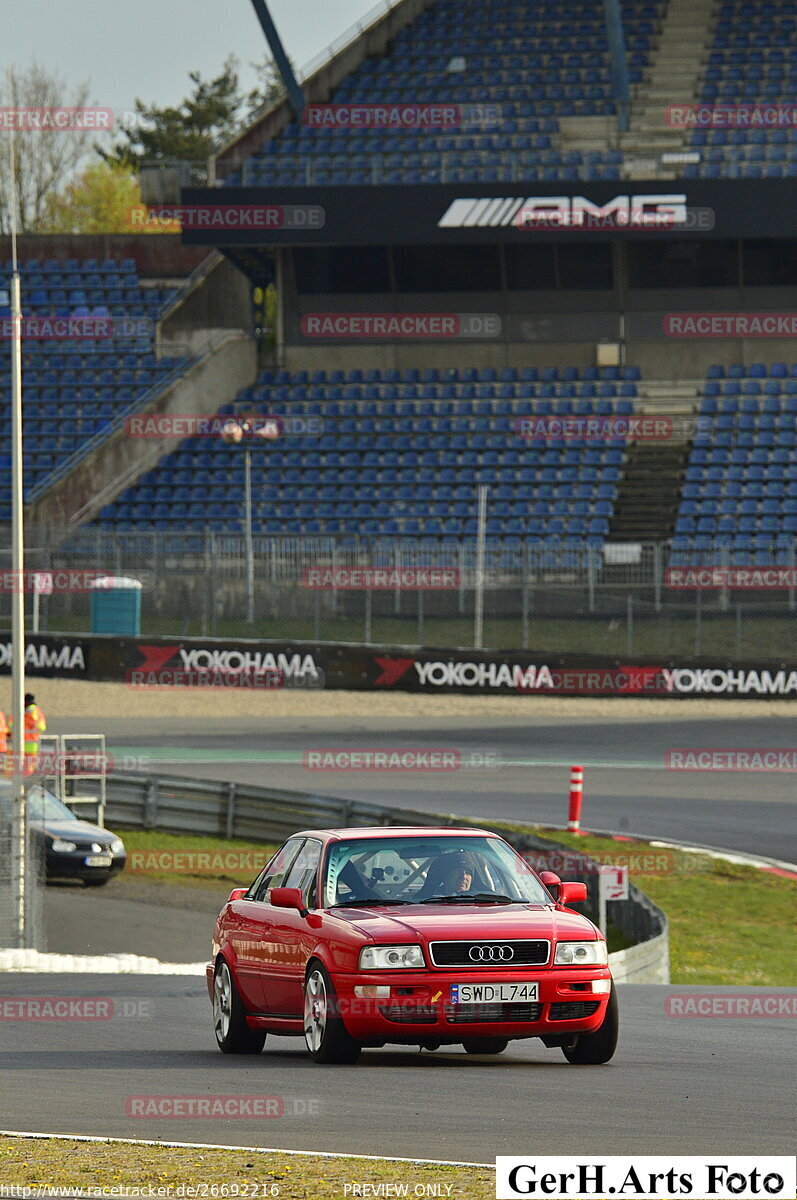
(354, 938)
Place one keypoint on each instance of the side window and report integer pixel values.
(275, 871)
(305, 869)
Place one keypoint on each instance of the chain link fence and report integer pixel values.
(615, 599)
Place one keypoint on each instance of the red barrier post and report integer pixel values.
(576, 797)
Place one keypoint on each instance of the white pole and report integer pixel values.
(21, 932)
(250, 548)
(481, 534)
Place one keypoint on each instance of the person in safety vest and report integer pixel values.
(4, 732)
(35, 726)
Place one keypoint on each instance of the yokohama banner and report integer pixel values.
(157, 662)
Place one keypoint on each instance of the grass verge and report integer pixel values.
(730, 924)
(29, 1162)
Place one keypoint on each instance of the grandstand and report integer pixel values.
(75, 387)
(411, 429)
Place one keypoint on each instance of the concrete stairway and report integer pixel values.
(648, 494)
(672, 78)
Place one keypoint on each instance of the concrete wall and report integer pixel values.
(219, 299)
(648, 962)
(120, 460)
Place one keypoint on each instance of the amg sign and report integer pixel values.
(641, 211)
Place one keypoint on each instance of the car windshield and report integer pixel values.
(417, 870)
(42, 805)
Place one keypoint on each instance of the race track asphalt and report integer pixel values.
(676, 1086)
(525, 774)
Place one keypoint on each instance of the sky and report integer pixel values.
(128, 48)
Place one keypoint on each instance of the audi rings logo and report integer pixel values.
(491, 953)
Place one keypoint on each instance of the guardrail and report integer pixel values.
(175, 804)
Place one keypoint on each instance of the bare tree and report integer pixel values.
(46, 160)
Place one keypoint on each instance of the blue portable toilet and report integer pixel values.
(116, 605)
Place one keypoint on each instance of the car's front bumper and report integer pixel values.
(420, 1005)
(73, 866)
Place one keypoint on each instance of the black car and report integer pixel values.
(73, 849)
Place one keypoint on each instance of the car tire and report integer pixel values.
(591, 1049)
(486, 1045)
(233, 1035)
(326, 1037)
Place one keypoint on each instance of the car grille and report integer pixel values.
(459, 1014)
(458, 954)
(573, 1010)
(409, 1014)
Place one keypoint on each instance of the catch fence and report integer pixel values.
(612, 599)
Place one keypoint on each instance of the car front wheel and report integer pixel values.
(324, 1032)
(597, 1047)
(233, 1035)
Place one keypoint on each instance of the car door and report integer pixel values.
(249, 927)
(292, 938)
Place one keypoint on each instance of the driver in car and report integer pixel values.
(453, 874)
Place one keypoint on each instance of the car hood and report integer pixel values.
(69, 831)
(437, 922)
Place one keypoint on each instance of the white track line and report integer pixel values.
(80, 1137)
(37, 962)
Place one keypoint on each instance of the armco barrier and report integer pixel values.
(349, 667)
(178, 805)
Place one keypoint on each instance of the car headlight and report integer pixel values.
(117, 846)
(63, 847)
(581, 954)
(374, 958)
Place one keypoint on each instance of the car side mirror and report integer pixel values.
(236, 894)
(552, 882)
(282, 897)
(572, 893)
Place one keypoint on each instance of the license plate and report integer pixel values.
(492, 993)
(98, 860)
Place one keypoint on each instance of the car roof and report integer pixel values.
(391, 831)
